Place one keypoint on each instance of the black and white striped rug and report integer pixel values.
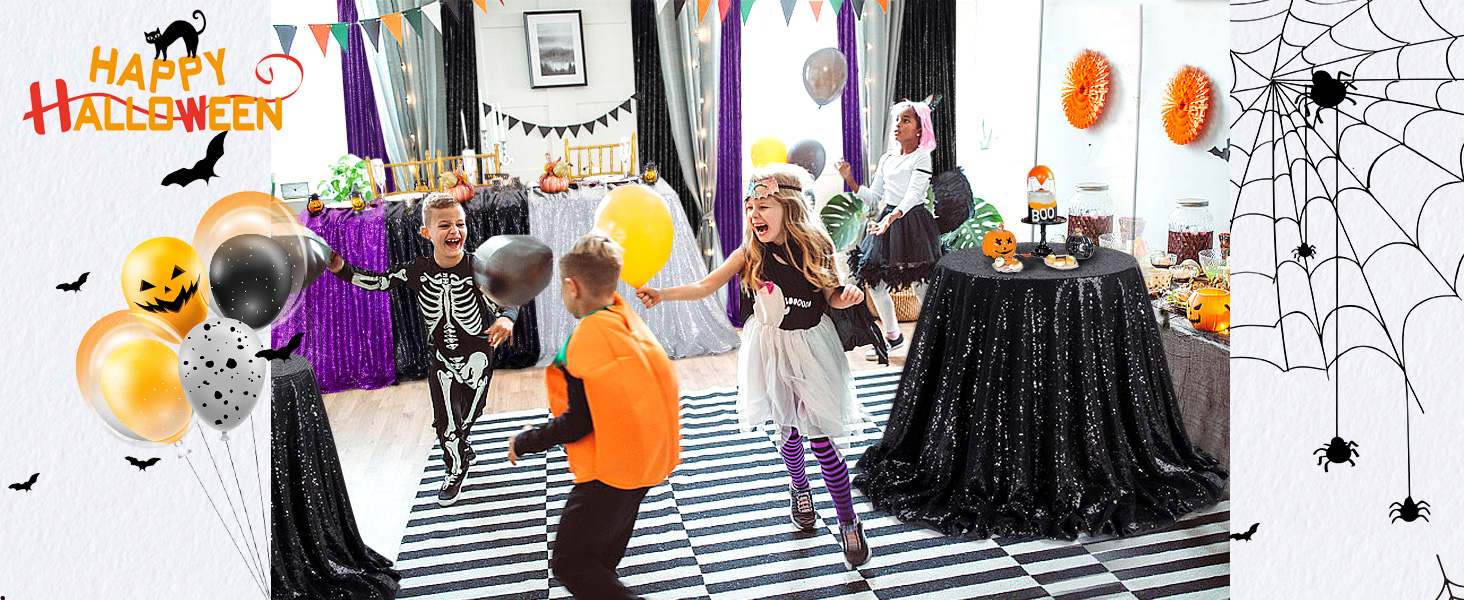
(719, 529)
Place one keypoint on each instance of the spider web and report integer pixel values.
(1374, 184)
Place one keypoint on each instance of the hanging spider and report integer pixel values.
(1337, 451)
(1305, 250)
(1409, 511)
(1326, 92)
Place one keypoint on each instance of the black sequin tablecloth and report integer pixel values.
(490, 212)
(1038, 404)
(315, 549)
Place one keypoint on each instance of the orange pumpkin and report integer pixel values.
(315, 206)
(1208, 309)
(999, 242)
(357, 202)
(461, 192)
(553, 185)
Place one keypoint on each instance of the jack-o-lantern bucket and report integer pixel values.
(999, 242)
(1208, 309)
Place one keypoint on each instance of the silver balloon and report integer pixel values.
(824, 74)
(512, 269)
(222, 378)
(810, 155)
(308, 255)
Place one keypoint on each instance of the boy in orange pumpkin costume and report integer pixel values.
(615, 400)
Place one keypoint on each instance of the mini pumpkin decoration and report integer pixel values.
(358, 203)
(1208, 309)
(650, 176)
(457, 185)
(315, 205)
(999, 242)
(556, 175)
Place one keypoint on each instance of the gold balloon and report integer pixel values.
(768, 150)
(140, 382)
(166, 287)
(105, 336)
(636, 217)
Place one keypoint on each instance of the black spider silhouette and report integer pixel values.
(1326, 92)
(1445, 593)
(1409, 511)
(1337, 451)
(1305, 250)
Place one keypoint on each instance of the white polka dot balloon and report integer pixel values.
(222, 377)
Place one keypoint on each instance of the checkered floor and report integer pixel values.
(719, 529)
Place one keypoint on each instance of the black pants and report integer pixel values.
(593, 532)
(465, 400)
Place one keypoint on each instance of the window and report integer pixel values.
(774, 101)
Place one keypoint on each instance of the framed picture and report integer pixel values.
(556, 41)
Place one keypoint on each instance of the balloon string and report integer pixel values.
(259, 482)
(227, 497)
(249, 521)
(225, 525)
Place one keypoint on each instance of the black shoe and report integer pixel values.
(890, 344)
(469, 456)
(451, 486)
(856, 548)
(804, 516)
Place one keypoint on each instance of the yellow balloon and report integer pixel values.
(166, 287)
(140, 382)
(768, 150)
(636, 217)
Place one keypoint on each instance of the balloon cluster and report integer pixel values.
(248, 263)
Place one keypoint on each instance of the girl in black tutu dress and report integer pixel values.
(903, 245)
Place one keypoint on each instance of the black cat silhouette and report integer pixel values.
(179, 29)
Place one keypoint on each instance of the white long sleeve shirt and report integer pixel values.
(900, 180)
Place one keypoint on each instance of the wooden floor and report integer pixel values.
(383, 436)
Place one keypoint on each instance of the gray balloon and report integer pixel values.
(824, 74)
(808, 154)
(308, 256)
(513, 269)
(221, 375)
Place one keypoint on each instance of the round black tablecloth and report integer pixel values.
(315, 549)
(490, 212)
(1038, 403)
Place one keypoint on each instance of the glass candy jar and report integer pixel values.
(1191, 229)
(1090, 211)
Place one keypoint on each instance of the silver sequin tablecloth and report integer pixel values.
(684, 328)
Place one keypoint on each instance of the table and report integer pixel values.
(315, 549)
(684, 328)
(1199, 362)
(1039, 404)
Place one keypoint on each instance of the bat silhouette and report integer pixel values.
(25, 487)
(282, 353)
(1247, 535)
(1223, 154)
(142, 465)
(203, 169)
(73, 287)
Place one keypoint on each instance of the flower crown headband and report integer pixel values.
(758, 189)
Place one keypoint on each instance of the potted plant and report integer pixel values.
(347, 175)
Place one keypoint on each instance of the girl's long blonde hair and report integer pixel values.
(811, 249)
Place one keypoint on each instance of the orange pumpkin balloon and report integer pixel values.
(1209, 309)
(166, 287)
(999, 242)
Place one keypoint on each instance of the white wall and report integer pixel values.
(503, 79)
(316, 135)
(1013, 44)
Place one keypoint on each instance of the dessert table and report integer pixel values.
(1038, 404)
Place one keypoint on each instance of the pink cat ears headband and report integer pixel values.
(922, 111)
(758, 189)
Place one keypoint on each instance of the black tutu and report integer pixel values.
(905, 254)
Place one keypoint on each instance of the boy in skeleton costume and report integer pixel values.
(461, 330)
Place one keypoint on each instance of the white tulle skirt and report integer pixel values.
(795, 379)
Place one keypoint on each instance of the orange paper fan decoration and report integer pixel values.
(1086, 89)
(1186, 105)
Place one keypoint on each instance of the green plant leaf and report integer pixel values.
(984, 218)
(845, 220)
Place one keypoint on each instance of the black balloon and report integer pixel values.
(513, 269)
(308, 255)
(250, 278)
(810, 155)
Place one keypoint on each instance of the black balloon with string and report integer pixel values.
(249, 278)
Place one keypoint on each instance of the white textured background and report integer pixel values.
(96, 527)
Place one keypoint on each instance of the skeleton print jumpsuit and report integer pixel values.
(458, 317)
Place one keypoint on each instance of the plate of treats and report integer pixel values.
(1061, 262)
(1007, 264)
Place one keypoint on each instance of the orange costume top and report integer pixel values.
(614, 362)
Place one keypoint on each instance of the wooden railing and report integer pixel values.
(602, 159)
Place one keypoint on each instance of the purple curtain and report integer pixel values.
(728, 207)
(363, 129)
(849, 101)
(348, 334)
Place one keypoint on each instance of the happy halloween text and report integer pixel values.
(236, 112)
